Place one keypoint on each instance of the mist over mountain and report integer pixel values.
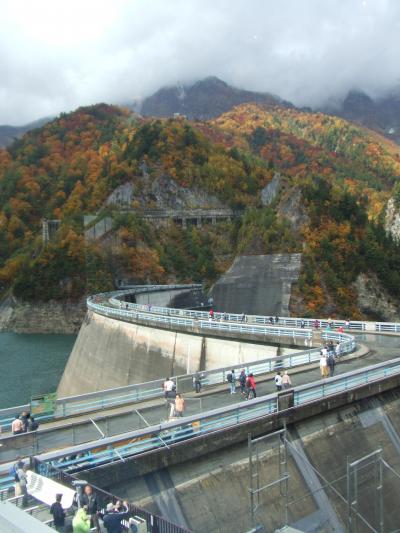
(211, 97)
(381, 114)
(8, 133)
(203, 100)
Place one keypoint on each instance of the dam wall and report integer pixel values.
(114, 353)
(210, 493)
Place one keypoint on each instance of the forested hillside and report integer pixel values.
(333, 183)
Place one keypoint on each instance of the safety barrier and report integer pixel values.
(154, 523)
(98, 401)
(195, 324)
(117, 448)
(114, 299)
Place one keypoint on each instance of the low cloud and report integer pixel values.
(55, 56)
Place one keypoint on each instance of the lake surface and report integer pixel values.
(31, 365)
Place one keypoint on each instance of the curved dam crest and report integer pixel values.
(116, 353)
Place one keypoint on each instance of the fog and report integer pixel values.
(56, 55)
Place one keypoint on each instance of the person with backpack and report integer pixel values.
(197, 382)
(231, 378)
(242, 381)
(58, 513)
(23, 482)
(331, 363)
(32, 424)
(278, 381)
(13, 472)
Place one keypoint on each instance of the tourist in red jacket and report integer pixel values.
(251, 386)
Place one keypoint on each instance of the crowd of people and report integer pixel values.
(91, 515)
(23, 423)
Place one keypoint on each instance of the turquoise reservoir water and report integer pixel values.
(31, 365)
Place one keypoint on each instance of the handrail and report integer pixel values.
(122, 395)
(139, 441)
(100, 400)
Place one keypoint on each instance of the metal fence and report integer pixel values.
(155, 523)
(98, 401)
(114, 299)
(163, 435)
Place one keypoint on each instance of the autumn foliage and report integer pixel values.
(335, 179)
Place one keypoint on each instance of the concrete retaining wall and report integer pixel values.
(111, 353)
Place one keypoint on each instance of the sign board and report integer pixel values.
(43, 404)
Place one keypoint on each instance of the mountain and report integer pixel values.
(382, 114)
(203, 100)
(8, 134)
(305, 183)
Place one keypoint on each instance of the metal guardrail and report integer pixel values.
(187, 318)
(355, 325)
(98, 401)
(117, 448)
(154, 523)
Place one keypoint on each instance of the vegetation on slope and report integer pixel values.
(341, 174)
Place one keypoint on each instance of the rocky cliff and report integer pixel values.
(374, 301)
(41, 317)
(392, 220)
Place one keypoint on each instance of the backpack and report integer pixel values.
(13, 473)
(229, 378)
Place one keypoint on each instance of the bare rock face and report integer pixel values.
(374, 300)
(291, 206)
(41, 317)
(161, 192)
(270, 191)
(392, 220)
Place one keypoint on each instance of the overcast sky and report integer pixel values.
(58, 54)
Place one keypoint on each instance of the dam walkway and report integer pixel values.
(215, 418)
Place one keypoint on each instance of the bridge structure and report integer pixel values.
(86, 435)
(96, 227)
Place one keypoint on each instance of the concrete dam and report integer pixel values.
(320, 456)
(124, 352)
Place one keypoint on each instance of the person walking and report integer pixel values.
(197, 382)
(323, 365)
(179, 405)
(23, 483)
(331, 364)
(251, 386)
(337, 350)
(81, 521)
(286, 381)
(278, 381)
(17, 426)
(169, 387)
(231, 378)
(242, 381)
(58, 514)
